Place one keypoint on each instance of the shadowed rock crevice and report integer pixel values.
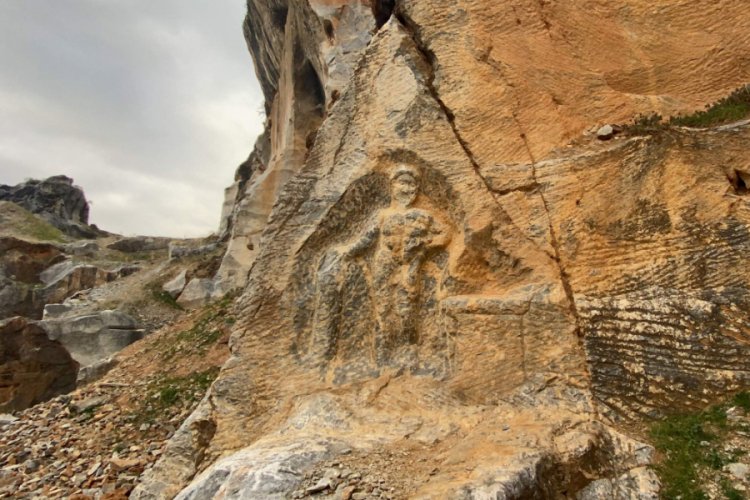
(382, 10)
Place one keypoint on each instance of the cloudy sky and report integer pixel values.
(149, 105)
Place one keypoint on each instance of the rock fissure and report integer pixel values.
(408, 25)
(410, 28)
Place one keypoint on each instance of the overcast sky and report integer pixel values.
(149, 105)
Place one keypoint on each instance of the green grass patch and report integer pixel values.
(164, 395)
(14, 219)
(645, 125)
(692, 447)
(205, 332)
(732, 108)
(730, 492)
(163, 297)
(742, 400)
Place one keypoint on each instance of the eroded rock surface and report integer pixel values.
(432, 272)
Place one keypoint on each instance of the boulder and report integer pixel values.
(33, 368)
(93, 338)
(95, 371)
(175, 286)
(17, 299)
(605, 133)
(197, 293)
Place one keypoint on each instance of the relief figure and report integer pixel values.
(398, 240)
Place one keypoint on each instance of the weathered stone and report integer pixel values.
(136, 244)
(88, 404)
(33, 368)
(605, 133)
(738, 471)
(65, 279)
(429, 264)
(21, 264)
(181, 250)
(56, 311)
(637, 484)
(93, 338)
(95, 371)
(265, 473)
(6, 419)
(197, 293)
(175, 286)
(24, 261)
(82, 248)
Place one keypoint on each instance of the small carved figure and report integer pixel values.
(402, 235)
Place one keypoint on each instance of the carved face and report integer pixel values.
(404, 189)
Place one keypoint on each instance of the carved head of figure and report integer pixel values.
(404, 184)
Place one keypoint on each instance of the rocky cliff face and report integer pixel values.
(444, 265)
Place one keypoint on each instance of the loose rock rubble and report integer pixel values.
(386, 474)
(95, 442)
(89, 444)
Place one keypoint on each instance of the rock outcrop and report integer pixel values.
(437, 272)
(93, 338)
(57, 200)
(21, 263)
(135, 244)
(33, 368)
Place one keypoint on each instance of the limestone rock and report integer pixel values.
(175, 286)
(739, 471)
(605, 133)
(82, 248)
(67, 278)
(57, 200)
(93, 338)
(95, 371)
(179, 250)
(136, 244)
(637, 484)
(427, 267)
(197, 293)
(33, 368)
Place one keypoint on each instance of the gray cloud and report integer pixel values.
(148, 105)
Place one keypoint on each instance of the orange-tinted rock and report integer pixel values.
(33, 368)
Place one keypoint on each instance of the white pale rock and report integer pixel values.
(605, 133)
(175, 286)
(738, 470)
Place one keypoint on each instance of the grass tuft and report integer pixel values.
(732, 108)
(693, 448)
(165, 394)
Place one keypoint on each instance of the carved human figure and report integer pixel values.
(402, 235)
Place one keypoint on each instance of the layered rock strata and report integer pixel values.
(435, 274)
